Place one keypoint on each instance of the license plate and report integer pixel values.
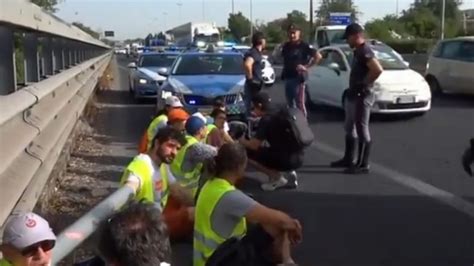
(406, 99)
(165, 94)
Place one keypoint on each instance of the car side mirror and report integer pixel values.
(335, 67)
(132, 65)
(163, 72)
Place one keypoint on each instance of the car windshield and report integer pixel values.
(387, 57)
(335, 36)
(209, 64)
(207, 39)
(159, 60)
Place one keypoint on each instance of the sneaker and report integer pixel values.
(292, 178)
(281, 182)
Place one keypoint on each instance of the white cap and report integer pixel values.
(198, 114)
(25, 229)
(173, 101)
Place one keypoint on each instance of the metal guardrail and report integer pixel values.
(62, 65)
(75, 234)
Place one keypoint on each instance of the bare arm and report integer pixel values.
(375, 69)
(182, 194)
(248, 64)
(316, 59)
(274, 221)
(252, 143)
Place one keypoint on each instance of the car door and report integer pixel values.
(338, 80)
(330, 78)
(317, 83)
(462, 68)
(447, 65)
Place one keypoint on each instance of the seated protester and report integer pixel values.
(28, 240)
(160, 121)
(135, 236)
(268, 154)
(221, 237)
(177, 119)
(188, 164)
(149, 175)
(217, 135)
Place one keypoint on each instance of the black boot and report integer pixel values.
(362, 166)
(348, 159)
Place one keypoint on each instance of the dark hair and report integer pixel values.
(262, 99)
(219, 102)
(167, 133)
(257, 38)
(136, 235)
(216, 112)
(229, 158)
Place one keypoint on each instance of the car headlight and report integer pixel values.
(220, 43)
(142, 81)
(200, 44)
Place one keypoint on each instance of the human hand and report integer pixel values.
(301, 68)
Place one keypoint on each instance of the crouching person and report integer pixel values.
(27, 241)
(149, 175)
(221, 217)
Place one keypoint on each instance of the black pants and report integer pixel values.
(277, 160)
(254, 249)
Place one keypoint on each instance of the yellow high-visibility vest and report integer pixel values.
(141, 168)
(188, 179)
(206, 241)
(3, 262)
(210, 128)
(151, 130)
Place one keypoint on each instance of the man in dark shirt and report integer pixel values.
(253, 69)
(267, 153)
(358, 101)
(298, 56)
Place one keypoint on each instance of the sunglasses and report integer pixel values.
(45, 245)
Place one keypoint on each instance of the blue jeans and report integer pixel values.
(357, 117)
(249, 93)
(295, 94)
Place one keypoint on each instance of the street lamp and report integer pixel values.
(251, 19)
(164, 19)
(203, 14)
(443, 15)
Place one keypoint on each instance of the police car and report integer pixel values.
(143, 77)
(199, 76)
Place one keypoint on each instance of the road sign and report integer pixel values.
(109, 33)
(340, 18)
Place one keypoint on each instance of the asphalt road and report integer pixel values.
(416, 207)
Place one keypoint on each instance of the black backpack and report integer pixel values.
(290, 130)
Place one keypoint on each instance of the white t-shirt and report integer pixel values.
(156, 175)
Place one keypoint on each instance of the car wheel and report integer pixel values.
(434, 85)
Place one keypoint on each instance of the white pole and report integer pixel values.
(251, 20)
(443, 15)
(203, 14)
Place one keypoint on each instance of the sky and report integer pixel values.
(137, 18)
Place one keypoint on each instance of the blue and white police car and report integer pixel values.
(144, 78)
(198, 77)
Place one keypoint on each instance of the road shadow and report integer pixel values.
(453, 100)
(104, 159)
(106, 175)
(371, 230)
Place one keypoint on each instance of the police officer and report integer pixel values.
(253, 68)
(298, 57)
(358, 101)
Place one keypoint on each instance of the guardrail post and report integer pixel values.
(47, 56)
(30, 46)
(74, 54)
(58, 62)
(7, 61)
(68, 52)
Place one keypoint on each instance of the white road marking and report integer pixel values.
(414, 183)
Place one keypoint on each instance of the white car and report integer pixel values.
(398, 90)
(450, 66)
(268, 73)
